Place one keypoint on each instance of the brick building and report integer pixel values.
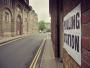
(14, 17)
(65, 14)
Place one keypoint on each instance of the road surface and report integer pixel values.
(19, 54)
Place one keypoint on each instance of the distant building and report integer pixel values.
(33, 22)
(14, 17)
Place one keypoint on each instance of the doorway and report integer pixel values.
(19, 25)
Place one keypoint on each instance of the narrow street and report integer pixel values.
(20, 53)
(44, 33)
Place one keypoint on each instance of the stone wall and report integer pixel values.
(14, 17)
(33, 23)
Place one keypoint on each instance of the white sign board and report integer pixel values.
(72, 33)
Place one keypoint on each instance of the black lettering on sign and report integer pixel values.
(64, 37)
(77, 21)
(73, 22)
(77, 43)
(72, 41)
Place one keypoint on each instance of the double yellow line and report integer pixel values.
(34, 62)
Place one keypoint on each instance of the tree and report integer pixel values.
(42, 25)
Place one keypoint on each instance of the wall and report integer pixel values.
(6, 18)
(65, 7)
(14, 18)
(85, 33)
(54, 25)
(33, 23)
(85, 37)
(69, 5)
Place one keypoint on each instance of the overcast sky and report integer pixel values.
(41, 7)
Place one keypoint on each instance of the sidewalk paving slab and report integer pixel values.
(48, 59)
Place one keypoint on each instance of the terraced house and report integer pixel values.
(14, 17)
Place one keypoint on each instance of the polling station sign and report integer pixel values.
(72, 33)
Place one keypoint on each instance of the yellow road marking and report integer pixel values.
(34, 62)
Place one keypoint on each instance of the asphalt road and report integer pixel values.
(19, 54)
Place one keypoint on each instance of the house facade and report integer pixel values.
(14, 17)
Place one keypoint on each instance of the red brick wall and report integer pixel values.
(85, 27)
(68, 61)
(68, 5)
(85, 33)
(53, 13)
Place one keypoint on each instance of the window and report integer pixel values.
(7, 20)
(6, 17)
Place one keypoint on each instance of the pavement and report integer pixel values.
(20, 53)
(7, 39)
(48, 59)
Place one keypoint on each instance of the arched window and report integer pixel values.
(1, 31)
(7, 21)
(7, 16)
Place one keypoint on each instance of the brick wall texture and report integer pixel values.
(68, 5)
(85, 27)
(53, 13)
(67, 59)
(85, 31)
(85, 34)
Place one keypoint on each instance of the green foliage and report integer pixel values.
(42, 25)
(48, 30)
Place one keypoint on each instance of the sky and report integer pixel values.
(41, 7)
